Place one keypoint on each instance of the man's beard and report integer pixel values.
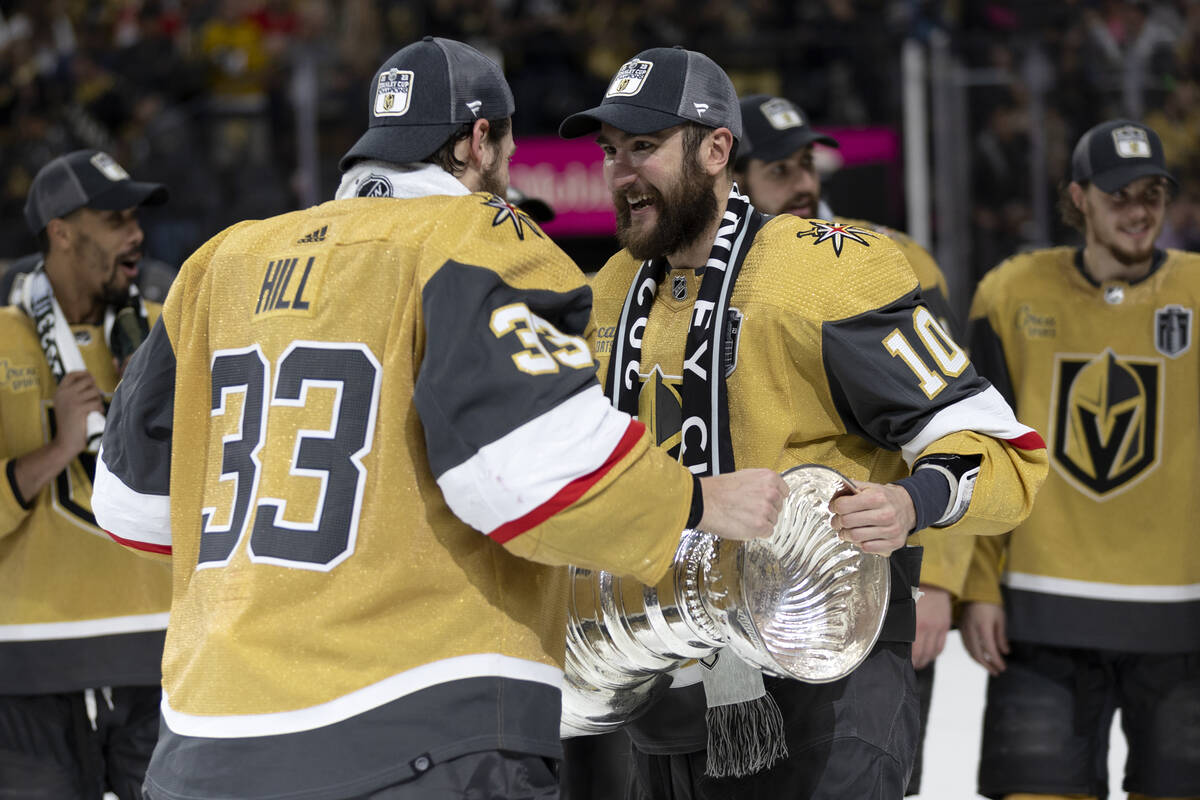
(490, 179)
(684, 213)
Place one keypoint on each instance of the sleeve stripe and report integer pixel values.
(1029, 441)
(986, 413)
(141, 521)
(146, 547)
(572, 491)
(511, 477)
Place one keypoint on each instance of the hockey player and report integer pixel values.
(370, 437)
(81, 620)
(775, 342)
(1093, 603)
(777, 171)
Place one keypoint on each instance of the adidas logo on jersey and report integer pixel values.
(314, 237)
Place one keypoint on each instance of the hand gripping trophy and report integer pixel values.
(800, 604)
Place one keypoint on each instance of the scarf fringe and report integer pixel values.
(744, 738)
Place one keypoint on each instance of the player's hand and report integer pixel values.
(76, 396)
(983, 634)
(877, 517)
(743, 504)
(933, 623)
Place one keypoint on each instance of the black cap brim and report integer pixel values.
(622, 116)
(1114, 180)
(781, 147)
(398, 144)
(129, 194)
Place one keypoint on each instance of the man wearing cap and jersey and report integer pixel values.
(1093, 603)
(81, 620)
(749, 341)
(385, 442)
(777, 170)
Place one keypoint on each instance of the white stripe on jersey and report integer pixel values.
(480, 665)
(1094, 590)
(83, 629)
(515, 474)
(128, 514)
(987, 413)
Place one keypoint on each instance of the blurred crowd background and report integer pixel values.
(243, 107)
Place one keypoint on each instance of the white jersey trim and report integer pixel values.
(1095, 590)
(515, 474)
(83, 629)
(986, 413)
(129, 514)
(481, 665)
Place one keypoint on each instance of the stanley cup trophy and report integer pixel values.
(800, 604)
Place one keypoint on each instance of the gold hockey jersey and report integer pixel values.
(830, 360)
(75, 610)
(385, 441)
(1111, 374)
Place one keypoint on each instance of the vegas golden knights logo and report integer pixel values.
(1106, 421)
(660, 409)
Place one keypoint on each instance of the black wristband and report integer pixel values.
(697, 510)
(930, 493)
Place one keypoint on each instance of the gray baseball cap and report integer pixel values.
(85, 179)
(775, 128)
(660, 88)
(1113, 154)
(424, 93)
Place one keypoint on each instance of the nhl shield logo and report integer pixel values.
(392, 93)
(1131, 142)
(374, 185)
(629, 78)
(1173, 330)
(679, 287)
(782, 114)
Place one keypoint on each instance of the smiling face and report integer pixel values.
(1127, 222)
(788, 186)
(664, 198)
(104, 248)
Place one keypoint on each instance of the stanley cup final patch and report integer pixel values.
(392, 93)
(629, 78)
(1131, 142)
(109, 168)
(782, 114)
(1172, 330)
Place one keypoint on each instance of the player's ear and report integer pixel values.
(1077, 194)
(716, 151)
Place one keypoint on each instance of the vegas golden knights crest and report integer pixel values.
(1106, 418)
(1172, 330)
(660, 408)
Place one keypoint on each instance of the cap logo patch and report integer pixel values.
(108, 167)
(629, 78)
(781, 114)
(701, 108)
(1131, 142)
(392, 93)
(474, 107)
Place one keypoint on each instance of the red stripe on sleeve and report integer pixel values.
(1028, 441)
(572, 491)
(161, 549)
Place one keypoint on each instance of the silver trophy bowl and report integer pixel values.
(800, 604)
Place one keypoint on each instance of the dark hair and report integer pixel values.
(444, 156)
(693, 137)
(1067, 210)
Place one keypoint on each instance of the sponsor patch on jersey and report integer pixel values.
(1172, 330)
(374, 185)
(1034, 325)
(393, 92)
(108, 167)
(837, 234)
(781, 114)
(17, 377)
(1131, 142)
(629, 78)
(1105, 413)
